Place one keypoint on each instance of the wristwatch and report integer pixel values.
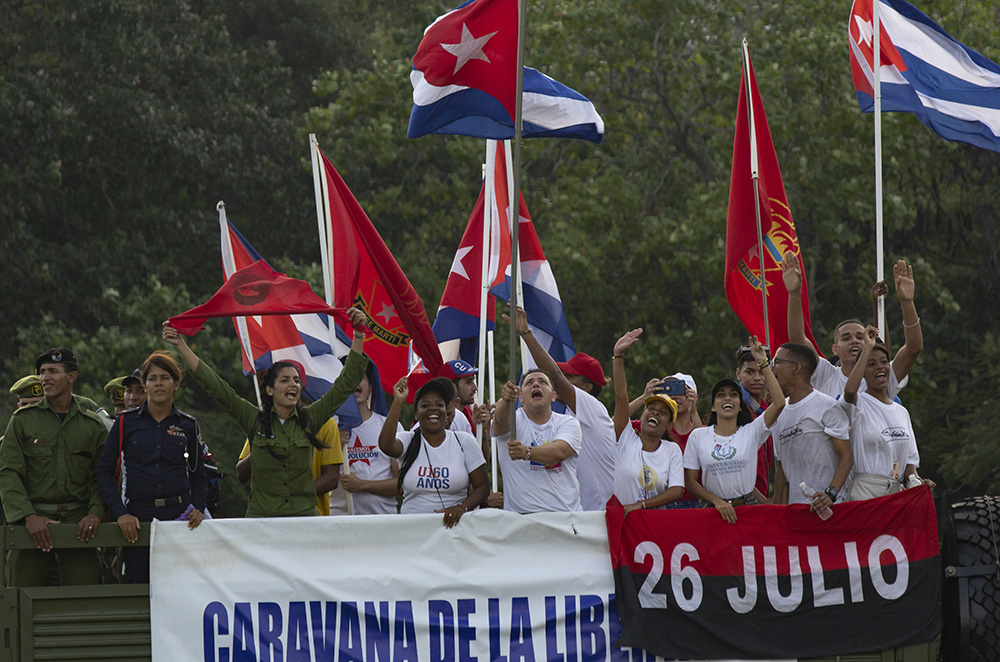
(832, 493)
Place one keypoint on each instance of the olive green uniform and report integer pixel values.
(48, 468)
(281, 467)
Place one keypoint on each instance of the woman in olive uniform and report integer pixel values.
(282, 436)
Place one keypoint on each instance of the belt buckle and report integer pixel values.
(159, 503)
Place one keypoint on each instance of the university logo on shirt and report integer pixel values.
(723, 452)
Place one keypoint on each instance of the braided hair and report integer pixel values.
(446, 390)
(263, 421)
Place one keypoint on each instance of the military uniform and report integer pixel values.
(282, 482)
(48, 468)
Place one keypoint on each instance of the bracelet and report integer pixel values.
(523, 333)
(527, 453)
(643, 502)
(620, 356)
(910, 326)
(359, 334)
(763, 364)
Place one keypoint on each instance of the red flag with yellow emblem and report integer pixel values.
(747, 268)
(366, 275)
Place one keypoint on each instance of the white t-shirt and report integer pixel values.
(596, 466)
(530, 487)
(882, 437)
(831, 380)
(439, 477)
(728, 464)
(641, 474)
(460, 423)
(802, 442)
(367, 462)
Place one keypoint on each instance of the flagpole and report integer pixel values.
(493, 398)
(326, 258)
(488, 175)
(756, 190)
(515, 253)
(877, 70)
(229, 263)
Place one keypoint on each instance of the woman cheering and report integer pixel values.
(725, 450)
(441, 471)
(649, 471)
(282, 436)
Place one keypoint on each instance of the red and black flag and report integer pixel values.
(780, 582)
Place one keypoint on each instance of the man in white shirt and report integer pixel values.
(463, 376)
(810, 436)
(577, 383)
(848, 337)
(539, 466)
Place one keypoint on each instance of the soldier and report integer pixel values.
(116, 392)
(48, 459)
(28, 391)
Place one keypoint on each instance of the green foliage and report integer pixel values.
(126, 121)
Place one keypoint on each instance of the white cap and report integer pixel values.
(687, 379)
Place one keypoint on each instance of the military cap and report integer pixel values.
(27, 387)
(62, 355)
(115, 389)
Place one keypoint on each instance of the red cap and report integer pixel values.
(585, 365)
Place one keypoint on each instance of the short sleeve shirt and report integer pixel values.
(803, 443)
(531, 487)
(728, 464)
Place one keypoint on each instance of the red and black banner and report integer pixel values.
(779, 583)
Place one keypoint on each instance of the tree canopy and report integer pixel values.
(125, 122)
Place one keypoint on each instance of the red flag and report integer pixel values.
(743, 264)
(366, 275)
(689, 586)
(254, 290)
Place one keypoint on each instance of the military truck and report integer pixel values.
(111, 622)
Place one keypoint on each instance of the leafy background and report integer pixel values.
(125, 121)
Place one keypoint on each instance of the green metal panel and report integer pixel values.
(84, 623)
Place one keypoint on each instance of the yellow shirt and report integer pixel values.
(329, 435)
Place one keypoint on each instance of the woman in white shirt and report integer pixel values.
(725, 451)
(649, 470)
(882, 441)
(441, 471)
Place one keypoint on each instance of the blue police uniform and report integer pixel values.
(162, 471)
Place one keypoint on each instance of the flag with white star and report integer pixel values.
(458, 315)
(464, 82)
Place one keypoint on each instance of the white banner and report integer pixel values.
(499, 586)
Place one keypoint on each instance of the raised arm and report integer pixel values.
(621, 417)
(858, 372)
(635, 406)
(773, 389)
(562, 386)
(501, 416)
(387, 441)
(913, 337)
(171, 336)
(792, 277)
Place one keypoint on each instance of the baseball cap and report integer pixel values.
(457, 369)
(584, 365)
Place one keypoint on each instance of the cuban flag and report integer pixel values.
(458, 315)
(302, 338)
(464, 82)
(953, 89)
